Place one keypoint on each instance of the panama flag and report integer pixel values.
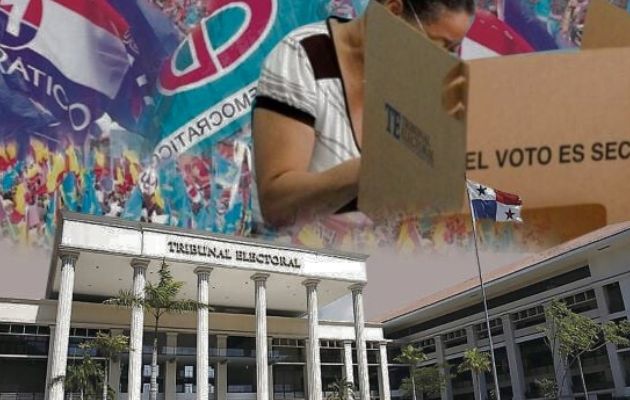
(488, 203)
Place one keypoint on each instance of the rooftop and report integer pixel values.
(596, 240)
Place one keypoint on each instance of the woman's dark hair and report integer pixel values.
(429, 10)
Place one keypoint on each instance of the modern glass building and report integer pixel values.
(590, 274)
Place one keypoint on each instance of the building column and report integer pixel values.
(515, 363)
(359, 328)
(262, 378)
(624, 286)
(305, 375)
(615, 364)
(270, 372)
(134, 390)
(203, 274)
(313, 363)
(62, 331)
(170, 375)
(383, 371)
(51, 341)
(348, 371)
(447, 391)
(479, 380)
(221, 378)
(114, 368)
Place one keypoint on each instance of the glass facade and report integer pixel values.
(461, 382)
(288, 382)
(23, 375)
(503, 371)
(597, 372)
(330, 373)
(241, 378)
(537, 364)
(614, 298)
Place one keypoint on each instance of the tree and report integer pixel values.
(476, 362)
(548, 387)
(429, 380)
(341, 389)
(84, 377)
(573, 335)
(411, 356)
(159, 299)
(109, 347)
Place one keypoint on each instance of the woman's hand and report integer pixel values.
(455, 93)
(287, 190)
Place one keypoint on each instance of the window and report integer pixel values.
(503, 372)
(537, 364)
(481, 329)
(427, 345)
(581, 302)
(460, 382)
(518, 294)
(24, 345)
(624, 358)
(614, 298)
(330, 373)
(241, 378)
(288, 350)
(597, 372)
(528, 317)
(454, 338)
(288, 382)
(332, 356)
(23, 375)
(241, 346)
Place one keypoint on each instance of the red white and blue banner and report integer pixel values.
(488, 203)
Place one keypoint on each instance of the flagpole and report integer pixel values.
(484, 297)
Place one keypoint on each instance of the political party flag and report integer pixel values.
(205, 89)
(488, 203)
(490, 37)
(69, 56)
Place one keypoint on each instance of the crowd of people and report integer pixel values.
(208, 191)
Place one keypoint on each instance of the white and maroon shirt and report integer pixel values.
(301, 79)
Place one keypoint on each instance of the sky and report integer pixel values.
(394, 280)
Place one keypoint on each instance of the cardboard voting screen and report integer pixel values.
(413, 152)
(606, 26)
(555, 127)
(552, 127)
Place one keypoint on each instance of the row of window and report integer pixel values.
(579, 302)
(546, 285)
(40, 330)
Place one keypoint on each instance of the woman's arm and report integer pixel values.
(283, 148)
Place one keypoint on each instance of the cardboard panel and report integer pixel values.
(554, 128)
(413, 154)
(606, 26)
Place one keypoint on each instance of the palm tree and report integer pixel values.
(159, 299)
(477, 363)
(341, 389)
(109, 347)
(411, 356)
(84, 377)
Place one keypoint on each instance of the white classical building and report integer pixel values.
(263, 322)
